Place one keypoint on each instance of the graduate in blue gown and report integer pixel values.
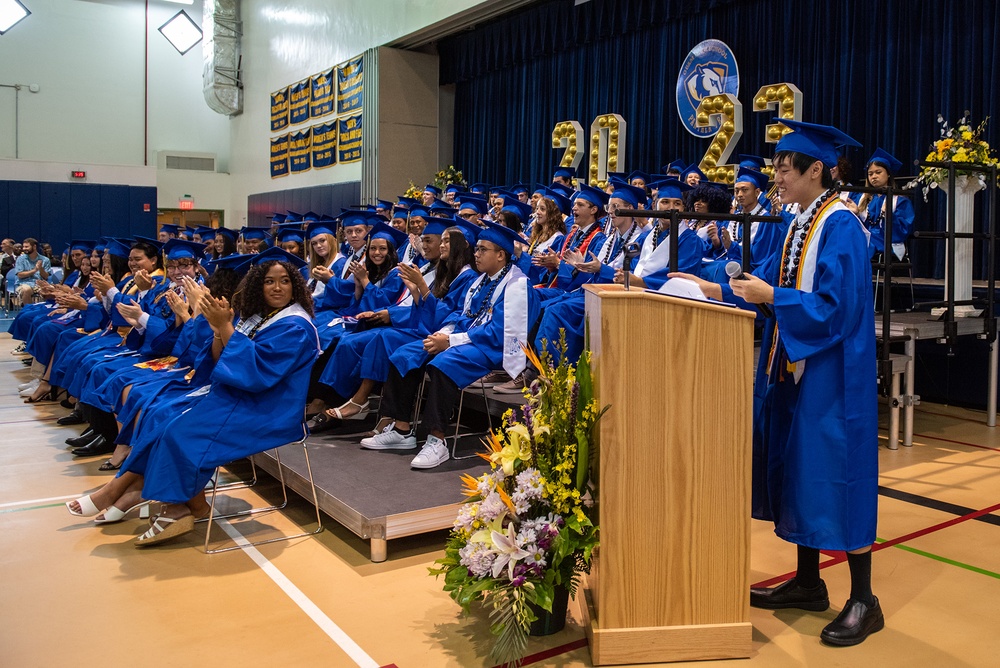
(548, 228)
(258, 385)
(337, 297)
(488, 333)
(871, 208)
(584, 236)
(815, 457)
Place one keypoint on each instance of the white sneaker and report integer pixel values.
(390, 439)
(434, 453)
(28, 391)
(33, 383)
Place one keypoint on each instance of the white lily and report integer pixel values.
(508, 551)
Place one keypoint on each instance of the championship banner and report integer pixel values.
(298, 101)
(349, 130)
(350, 86)
(279, 110)
(322, 95)
(300, 151)
(324, 145)
(279, 156)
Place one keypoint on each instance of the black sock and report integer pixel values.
(861, 577)
(807, 571)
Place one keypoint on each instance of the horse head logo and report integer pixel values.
(706, 80)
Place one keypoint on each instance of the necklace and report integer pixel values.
(487, 302)
(621, 242)
(792, 252)
(256, 328)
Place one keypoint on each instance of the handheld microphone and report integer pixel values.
(631, 250)
(735, 271)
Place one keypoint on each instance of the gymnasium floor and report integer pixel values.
(75, 594)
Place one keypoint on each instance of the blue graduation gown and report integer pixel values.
(815, 443)
(902, 223)
(258, 387)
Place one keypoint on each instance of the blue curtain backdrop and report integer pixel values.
(881, 71)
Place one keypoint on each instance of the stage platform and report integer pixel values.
(375, 493)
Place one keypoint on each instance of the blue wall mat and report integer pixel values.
(4, 208)
(56, 213)
(328, 199)
(25, 210)
(114, 218)
(86, 220)
(142, 222)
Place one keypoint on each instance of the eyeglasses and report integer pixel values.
(482, 249)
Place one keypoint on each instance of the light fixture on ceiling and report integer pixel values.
(181, 31)
(11, 13)
(182, 2)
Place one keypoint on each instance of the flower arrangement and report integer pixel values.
(444, 177)
(961, 144)
(526, 530)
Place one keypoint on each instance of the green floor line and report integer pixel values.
(944, 560)
(21, 510)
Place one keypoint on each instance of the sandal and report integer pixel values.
(114, 514)
(108, 466)
(87, 507)
(164, 529)
(338, 413)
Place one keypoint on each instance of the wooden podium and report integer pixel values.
(671, 581)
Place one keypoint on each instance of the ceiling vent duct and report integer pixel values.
(221, 78)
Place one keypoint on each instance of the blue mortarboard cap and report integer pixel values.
(117, 248)
(562, 188)
(81, 245)
(101, 245)
(169, 229)
(621, 176)
(631, 194)
(291, 233)
(385, 205)
(469, 230)
(751, 161)
(155, 243)
(518, 208)
(227, 232)
(886, 159)
(293, 217)
(440, 206)
(693, 169)
(504, 237)
(206, 233)
(438, 224)
(675, 166)
(477, 204)
(310, 217)
(638, 174)
(816, 141)
(408, 202)
(279, 254)
(322, 227)
(454, 188)
(254, 233)
(180, 249)
(352, 217)
(747, 175)
(431, 188)
(370, 208)
(562, 202)
(519, 188)
(715, 184)
(237, 262)
(670, 189)
(419, 211)
(595, 196)
(563, 172)
(278, 218)
(186, 233)
(382, 231)
(538, 188)
(481, 188)
(400, 212)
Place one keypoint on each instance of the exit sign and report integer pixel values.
(77, 174)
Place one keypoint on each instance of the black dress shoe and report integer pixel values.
(73, 418)
(791, 595)
(83, 439)
(855, 622)
(66, 403)
(99, 446)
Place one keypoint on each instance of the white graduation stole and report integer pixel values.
(652, 259)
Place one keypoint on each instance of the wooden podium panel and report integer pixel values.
(671, 577)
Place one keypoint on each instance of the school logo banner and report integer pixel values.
(709, 69)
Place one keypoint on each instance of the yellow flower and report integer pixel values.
(944, 144)
(966, 135)
(960, 156)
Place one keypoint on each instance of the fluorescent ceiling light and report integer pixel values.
(181, 32)
(182, 2)
(11, 13)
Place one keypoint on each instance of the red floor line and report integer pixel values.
(549, 653)
(948, 440)
(841, 557)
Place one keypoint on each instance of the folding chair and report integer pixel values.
(458, 419)
(253, 511)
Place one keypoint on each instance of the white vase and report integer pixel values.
(966, 188)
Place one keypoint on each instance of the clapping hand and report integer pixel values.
(131, 313)
(143, 280)
(591, 266)
(547, 258)
(72, 301)
(413, 279)
(321, 273)
(101, 282)
(216, 311)
(177, 304)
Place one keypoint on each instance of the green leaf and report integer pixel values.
(582, 459)
(457, 575)
(544, 596)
